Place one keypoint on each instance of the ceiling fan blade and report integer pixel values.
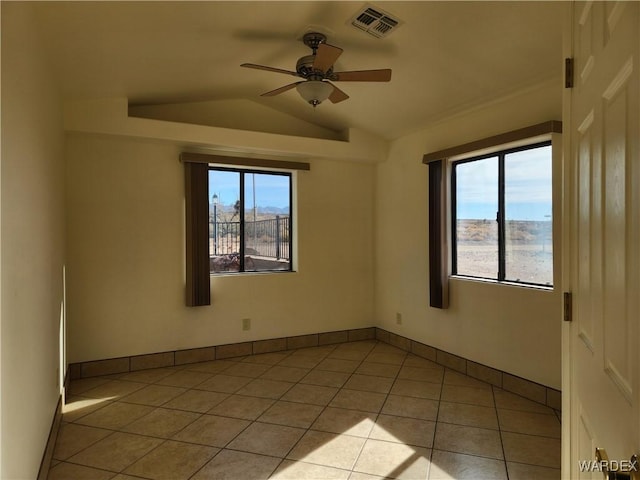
(337, 95)
(280, 90)
(326, 56)
(383, 75)
(269, 69)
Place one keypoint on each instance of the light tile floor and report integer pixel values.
(361, 410)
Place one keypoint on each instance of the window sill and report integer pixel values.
(244, 274)
(490, 281)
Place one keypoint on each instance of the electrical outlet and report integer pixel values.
(246, 324)
(398, 318)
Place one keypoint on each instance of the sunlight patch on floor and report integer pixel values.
(81, 404)
(390, 458)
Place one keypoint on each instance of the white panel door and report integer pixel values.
(604, 214)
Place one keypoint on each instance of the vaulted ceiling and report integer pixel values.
(445, 56)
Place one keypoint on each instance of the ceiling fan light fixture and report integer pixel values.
(314, 91)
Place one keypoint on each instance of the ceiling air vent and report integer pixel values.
(375, 22)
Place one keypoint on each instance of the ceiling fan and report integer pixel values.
(317, 71)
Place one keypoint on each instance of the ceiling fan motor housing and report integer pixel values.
(304, 67)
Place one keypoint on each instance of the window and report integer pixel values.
(219, 200)
(502, 216)
(249, 220)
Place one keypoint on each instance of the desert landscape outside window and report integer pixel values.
(249, 221)
(502, 216)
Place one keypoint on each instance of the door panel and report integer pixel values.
(617, 322)
(604, 340)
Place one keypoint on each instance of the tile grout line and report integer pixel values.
(504, 453)
(437, 420)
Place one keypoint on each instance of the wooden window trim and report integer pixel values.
(189, 157)
(545, 128)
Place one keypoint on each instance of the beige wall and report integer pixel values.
(509, 328)
(126, 256)
(32, 245)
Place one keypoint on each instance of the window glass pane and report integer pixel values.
(267, 222)
(476, 228)
(528, 202)
(224, 221)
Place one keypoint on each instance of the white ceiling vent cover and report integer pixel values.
(375, 21)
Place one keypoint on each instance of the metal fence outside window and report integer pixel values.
(265, 238)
